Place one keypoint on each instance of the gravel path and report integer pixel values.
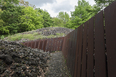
(57, 67)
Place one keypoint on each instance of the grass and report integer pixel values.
(32, 36)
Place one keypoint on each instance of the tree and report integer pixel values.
(31, 19)
(47, 20)
(103, 3)
(82, 13)
(10, 14)
(63, 16)
(25, 3)
(61, 19)
(2, 28)
(57, 22)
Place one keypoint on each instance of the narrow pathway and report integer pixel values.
(57, 66)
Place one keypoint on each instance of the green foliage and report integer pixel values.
(32, 36)
(100, 4)
(31, 19)
(15, 18)
(2, 37)
(57, 22)
(104, 2)
(82, 13)
(63, 16)
(9, 15)
(47, 20)
(61, 20)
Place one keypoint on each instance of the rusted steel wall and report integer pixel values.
(51, 44)
(90, 50)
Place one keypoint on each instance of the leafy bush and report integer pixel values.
(2, 37)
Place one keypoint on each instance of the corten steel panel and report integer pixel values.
(76, 54)
(44, 47)
(47, 45)
(64, 46)
(110, 25)
(100, 63)
(74, 50)
(53, 44)
(50, 44)
(58, 44)
(80, 52)
(69, 53)
(32, 44)
(90, 48)
(44, 44)
(62, 43)
(40, 44)
(69, 48)
(29, 43)
(84, 62)
(37, 43)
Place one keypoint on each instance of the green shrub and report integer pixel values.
(2, 37)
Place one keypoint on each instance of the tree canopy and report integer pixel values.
(19, 15)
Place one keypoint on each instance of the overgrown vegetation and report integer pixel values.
(31, 36)
(19, 16)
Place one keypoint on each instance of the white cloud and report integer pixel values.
(55, 6)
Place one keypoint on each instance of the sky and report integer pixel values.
(55, 6)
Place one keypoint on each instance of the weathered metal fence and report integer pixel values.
(90, 50)
(51, 44)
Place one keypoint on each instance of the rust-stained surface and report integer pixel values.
(94, 54)
(110, 27)
(89, 50)
(52, 44)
